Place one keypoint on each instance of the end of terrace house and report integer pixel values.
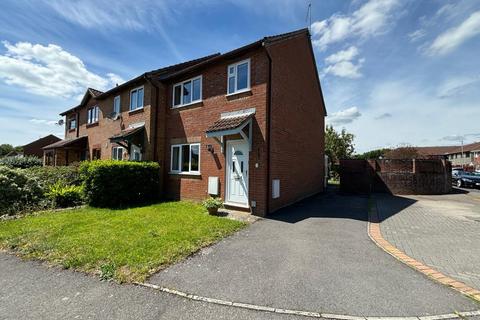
(246, 125)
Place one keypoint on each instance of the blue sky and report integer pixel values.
(393, 71)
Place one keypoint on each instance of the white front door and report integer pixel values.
(237, 172)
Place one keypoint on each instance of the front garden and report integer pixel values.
(122, 231)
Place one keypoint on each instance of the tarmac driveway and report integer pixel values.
(313, 256)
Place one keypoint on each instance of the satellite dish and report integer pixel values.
(60, 122)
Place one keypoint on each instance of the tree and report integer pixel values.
(404, 152)
(338, 145)
(372, 154)
(5, 149)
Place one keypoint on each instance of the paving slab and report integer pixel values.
(441, 231)
(313, 256)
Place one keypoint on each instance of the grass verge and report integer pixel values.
(126, 245)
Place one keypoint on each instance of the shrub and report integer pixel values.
(18, 191)
(49, 176)
(64, 196)
(21, 162)
(212, 202)
(111, 183)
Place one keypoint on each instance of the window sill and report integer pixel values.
(238, 92)
(138, 110)
(189, 105)
(90, 125)
(194, 174)
(72, 130)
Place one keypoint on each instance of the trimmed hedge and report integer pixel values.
(21, 162)
(49, 176)
(111, 183)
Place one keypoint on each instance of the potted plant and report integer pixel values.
(212, 204)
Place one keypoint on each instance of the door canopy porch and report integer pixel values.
(232, 123)
(130, 136)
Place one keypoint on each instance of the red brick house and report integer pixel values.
(34, 148)
(246, 125)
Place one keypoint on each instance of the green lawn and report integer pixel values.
(127, 245)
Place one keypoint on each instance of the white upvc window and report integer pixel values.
(117, 153)
(135, 153)
(136, 98)
(92, 115)
(185, 158)
(187, 92)
(238, 75)
(116, 104)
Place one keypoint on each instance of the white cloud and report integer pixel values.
(344, 116)
(383, 116)
(44, 122)
(455, 86)
(343, 55)
(456, 36)
(370, 19)
(49, 70)
(345, 69)
(417, 35)
(340, 64)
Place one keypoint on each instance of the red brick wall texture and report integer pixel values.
(288, 145)
(419, 176)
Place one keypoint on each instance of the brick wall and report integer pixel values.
(419, 176)
(297, 125)
(189, 124)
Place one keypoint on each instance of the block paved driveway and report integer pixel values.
(313, 256)
(442, 231)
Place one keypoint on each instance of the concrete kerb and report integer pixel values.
(310, 314)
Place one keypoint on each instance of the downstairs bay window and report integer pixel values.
(185, 158)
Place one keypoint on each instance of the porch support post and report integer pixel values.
(220, 142)
(249, 138)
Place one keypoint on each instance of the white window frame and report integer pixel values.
(181, 92)
(179, 171)
(143, 100)
(115, 152)
(135, 149)
(235, 66)
(94, 118)
(115, 99)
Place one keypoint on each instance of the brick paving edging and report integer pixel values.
(375, 235)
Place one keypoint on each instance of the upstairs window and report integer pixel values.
(185, 158)
(187, 92)
(238, 77)
(136, 99)
(116, 104)
(72, 123)
(92, 115)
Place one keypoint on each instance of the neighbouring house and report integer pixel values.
(467, 156)
(437, 152)
(35, 148)
(246, 125)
